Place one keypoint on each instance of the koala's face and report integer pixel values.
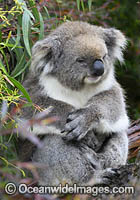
(83, 61)
(78, 54)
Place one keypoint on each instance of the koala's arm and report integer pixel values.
(104, 112)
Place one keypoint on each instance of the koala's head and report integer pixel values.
(78, 53)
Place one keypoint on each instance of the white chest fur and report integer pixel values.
(54, 89)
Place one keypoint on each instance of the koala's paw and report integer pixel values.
(104, 177)
(77, 126)
(108, 176)
(114, 176)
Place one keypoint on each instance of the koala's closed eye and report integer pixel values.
(81, 60)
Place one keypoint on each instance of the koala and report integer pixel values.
(72, 70)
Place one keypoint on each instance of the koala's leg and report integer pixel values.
(64, 162)
(69, 162)
(112, 155)
(115, 151)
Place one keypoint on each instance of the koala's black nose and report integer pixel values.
(98, 68)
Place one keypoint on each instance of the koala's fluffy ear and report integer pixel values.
(116, 43)
(42, 52)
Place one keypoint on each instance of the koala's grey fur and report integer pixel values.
(92, 108)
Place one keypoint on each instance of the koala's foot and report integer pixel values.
(114, 176)
(106, 176)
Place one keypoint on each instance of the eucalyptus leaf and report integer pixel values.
(21, 88)
(41, 35)
(19, 65)
(25, 30)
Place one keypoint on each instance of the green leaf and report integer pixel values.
(21, 88)
(18, 37)
(89, 4)
(19, 18)
(34, 10)
(0, 36)
(24, 6)
(18, 51)
(12, 58)
(3, 68)
(47, 12)
(78, 4)
(41, 35)
(35, 29)
(19, 66)
(23, 69)
(82, 4)
(25, 29)
(8, 45)
(29, 13)
(5, 59)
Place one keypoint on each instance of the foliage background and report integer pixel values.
(22, 23)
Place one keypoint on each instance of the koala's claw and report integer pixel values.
(108, 176)
(75, 133)
(71, 117)
(70, 136)
(76, 126)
